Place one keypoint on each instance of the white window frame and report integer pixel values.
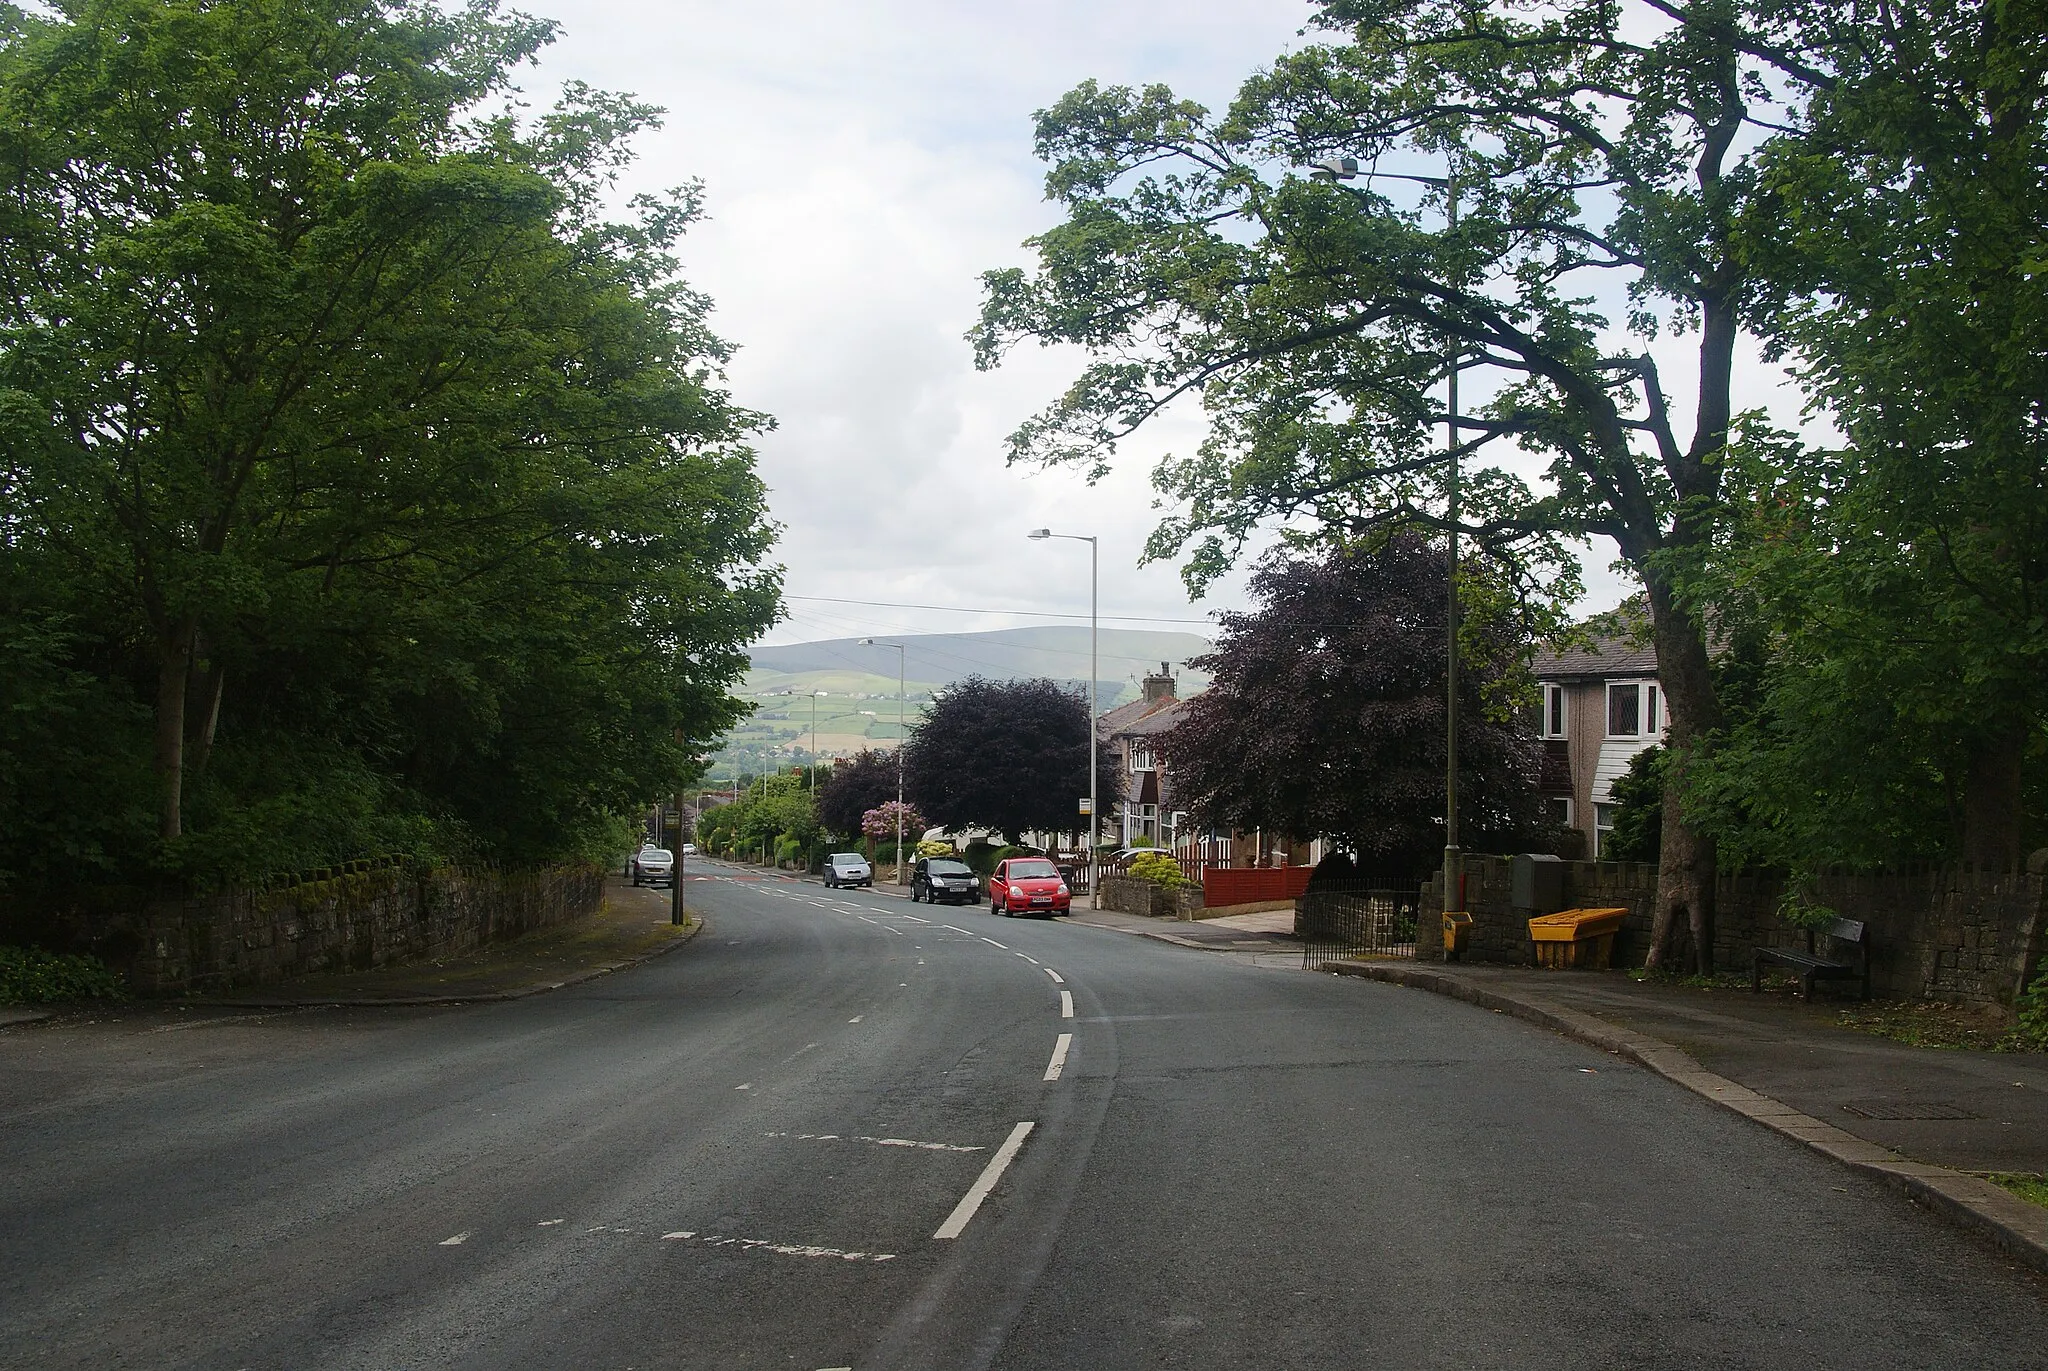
(1603, 824)
(1566, 801)
(1649, 708)
(1556, 707)
(1142, 760)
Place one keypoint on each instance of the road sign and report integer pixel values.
(1087, 805)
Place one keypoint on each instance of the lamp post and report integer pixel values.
(1345, 169)
(1094, 585)
(811, 776)
(901, 693)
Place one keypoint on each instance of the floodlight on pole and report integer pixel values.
(1346, 169)
(902, 692)
(1039, 535)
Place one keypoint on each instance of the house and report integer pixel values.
(1598, 707)
(1128, 733)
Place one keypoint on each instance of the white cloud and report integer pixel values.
(864, 163)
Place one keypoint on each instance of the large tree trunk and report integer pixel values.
(1686, 866)
(1991, 800)
(211, 687)
(173, 679)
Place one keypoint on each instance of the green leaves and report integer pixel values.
(354, 406)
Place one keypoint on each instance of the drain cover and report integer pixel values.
(1903, 1109)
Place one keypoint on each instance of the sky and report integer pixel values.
(863, 164)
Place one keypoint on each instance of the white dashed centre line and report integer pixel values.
(1057, 979)
(968, 931)
(458, 1240)
(1066, 1004)
(1059, 1056)
(1029, 958)
(993, 943)
(963, 1212)
(857, 1018)
(914, 919)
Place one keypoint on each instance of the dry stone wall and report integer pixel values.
(1960, 935)
(352, 920)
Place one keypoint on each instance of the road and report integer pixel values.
(763, 1151)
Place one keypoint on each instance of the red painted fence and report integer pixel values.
(1222, 885)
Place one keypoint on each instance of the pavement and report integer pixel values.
(842, 1131)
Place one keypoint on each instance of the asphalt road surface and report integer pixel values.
(842, 1131)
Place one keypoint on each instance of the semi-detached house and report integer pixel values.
(1598, 707)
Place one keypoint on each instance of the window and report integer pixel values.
(1635, 709)
(1559, 808)
(1553, 723)
(1623, 705)
(1141, 757)
(1603, 824)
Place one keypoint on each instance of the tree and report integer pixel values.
(1325, 718)
(1597, 150)
(853, 787)
(1009, 756)
(1892, 587)
(346, 432)
(1638, 798)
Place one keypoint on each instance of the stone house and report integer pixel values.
(1597, 708)
(1144, 808)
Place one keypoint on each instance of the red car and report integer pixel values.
(1028, 885)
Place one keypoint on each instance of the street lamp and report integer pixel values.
(1345, 169)
(812, 776)
(1094, 583)
(901, 693)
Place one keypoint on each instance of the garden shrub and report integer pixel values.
(2030, 1028)
(31, 976)
(1159, 868)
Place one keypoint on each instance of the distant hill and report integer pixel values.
(848, 691)
(1124, 655)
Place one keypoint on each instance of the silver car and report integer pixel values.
(654, 866)
(848, 868)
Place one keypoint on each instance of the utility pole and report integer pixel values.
(1094, 672)
(901, 695)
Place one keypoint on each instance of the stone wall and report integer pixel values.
(345, 921)
(1130, 895)
(1934, 934)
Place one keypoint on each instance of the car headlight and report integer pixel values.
(1061, 891)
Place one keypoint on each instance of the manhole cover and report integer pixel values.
(1899, 1109)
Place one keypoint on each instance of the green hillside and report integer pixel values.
(859, 705)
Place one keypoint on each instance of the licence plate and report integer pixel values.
(1041, 899)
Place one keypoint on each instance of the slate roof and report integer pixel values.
(1116, 722)
(1157, 722)
(1609, 656)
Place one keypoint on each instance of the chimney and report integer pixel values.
(1159, 689)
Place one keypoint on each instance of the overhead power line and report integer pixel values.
(998, 609)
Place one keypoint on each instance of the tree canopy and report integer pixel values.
(368, 488)
(1009, 756)
(854, 786)
(1623, 174)
(1325, 718)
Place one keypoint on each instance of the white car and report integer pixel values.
(654, 866)
(848, 868)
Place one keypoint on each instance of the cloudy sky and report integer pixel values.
(864, 163)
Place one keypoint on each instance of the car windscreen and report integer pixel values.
(842, 859)
(1032, 871)
(949, 869)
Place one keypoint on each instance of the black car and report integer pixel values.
(943, 879)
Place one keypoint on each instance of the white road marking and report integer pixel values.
(956, 1222)
(993, 943)
(920, 961)
(1029, 958)
(1066, 1004)
(787, 1249)
(549, 1223)
(458, 1240)
(857, 1018)
(968, 931)
(1057, 979)
(1059, 1056)
(913, 918)
(879, 924)
(748, 1086)
(880, 1142)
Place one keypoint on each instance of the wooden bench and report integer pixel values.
(1813, 967)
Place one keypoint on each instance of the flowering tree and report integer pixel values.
(880, 822)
